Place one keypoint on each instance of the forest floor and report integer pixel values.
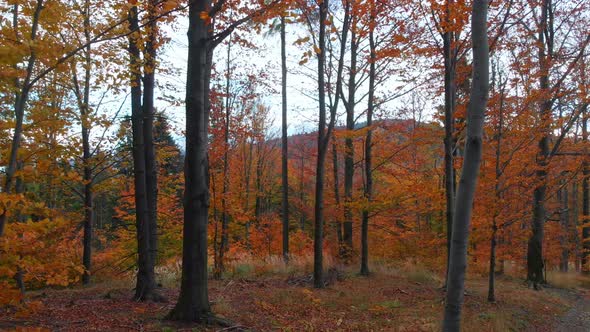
(389, 300)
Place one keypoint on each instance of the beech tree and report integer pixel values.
(193, 302)
(471, 162)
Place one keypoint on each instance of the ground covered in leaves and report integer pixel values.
(386, 301)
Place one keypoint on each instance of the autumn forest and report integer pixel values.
(294, 165)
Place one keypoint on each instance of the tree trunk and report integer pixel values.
(84, 113)
(349, 151)
(535, 245)
(585, 203)
(302, 192)
(574, 222)
(220, 267)
(471, 163)
(564, 218)
(151, 176)
(19, 113)
(146, 285)
(337, 223)
(323, 138)
(497, 196)
(284, 146)
(368, 158)
(193, 302)
(450, 95)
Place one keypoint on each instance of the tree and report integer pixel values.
(193, 302)
(146, 283)
(472, 160)
(284, 144)
(368, 142)
(83, 98)
(323, 140)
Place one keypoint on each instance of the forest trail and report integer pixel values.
(577, 318)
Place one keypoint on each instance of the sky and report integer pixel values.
(301, 81)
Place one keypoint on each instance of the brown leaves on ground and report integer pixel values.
(383, 302)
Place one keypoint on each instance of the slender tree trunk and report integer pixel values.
(284, 145)
(575, 214)
(151, 176)
(494, 240)
(450, 94)
(368, 157)
(220, 268)
(323, 138)
(19, 112)
(84, 113)
(301, 193)
(469, 174)
(349, 150)
(258, 202)
(564, 218)
(497, 196)
(146, 285)
(247, 190)
(20, 273)
(333, 109)
(535, 244)
(585, 203)
(337, 223)
(193, 302)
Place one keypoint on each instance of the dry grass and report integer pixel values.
(568, 280)
(256, 294)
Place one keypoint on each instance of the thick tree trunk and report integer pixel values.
(368, 157)
(151, 176)
(471, 163)
(323, 138)
(284, 146)
(193, 302)
(146, 285)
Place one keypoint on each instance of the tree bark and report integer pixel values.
(368, 141)
(449, 50)
(284, 145)
(497, 196)
(471, 163)
(337, 223)
(349, 151)
(19, 113)
(323, 138)
(535, 244)
(146, 285)
(84, 113)
(585, 202)
(564, 218)
(223, 247)
(193, 302)
(151, 176)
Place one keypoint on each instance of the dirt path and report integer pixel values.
(577, 319)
